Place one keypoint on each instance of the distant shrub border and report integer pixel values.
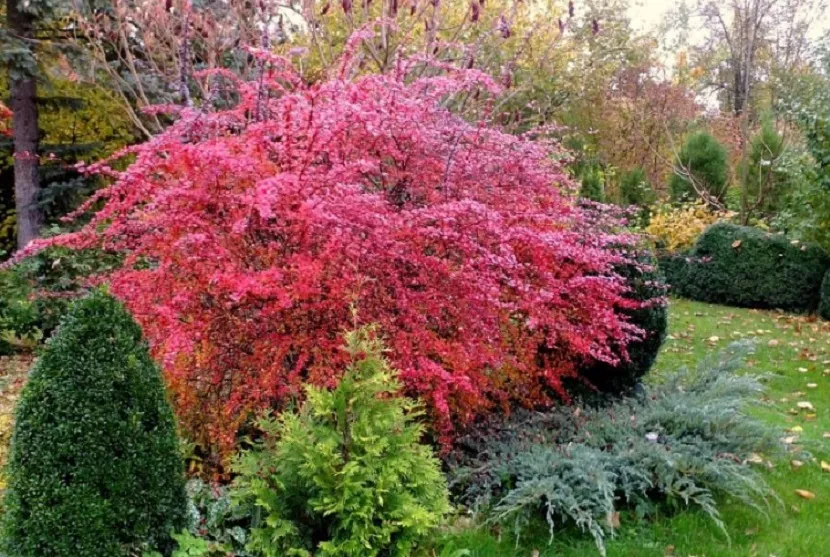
(747, 267)
(824, 302)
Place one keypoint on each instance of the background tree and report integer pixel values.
(751, 53)
(701, 171)
(766, 178)
(18, 42)
(642, 118)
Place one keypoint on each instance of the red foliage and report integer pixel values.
(250, 242)
(5, 118)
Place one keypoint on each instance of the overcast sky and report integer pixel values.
(648, 13)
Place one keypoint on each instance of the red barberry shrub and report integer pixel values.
(256, 235)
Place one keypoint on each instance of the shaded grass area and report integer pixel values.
(13, 373)
(795, 352)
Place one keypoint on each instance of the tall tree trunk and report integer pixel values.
(23, 89)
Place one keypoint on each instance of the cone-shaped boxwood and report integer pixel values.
(95, 468)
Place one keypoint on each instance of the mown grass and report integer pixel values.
(795, 352)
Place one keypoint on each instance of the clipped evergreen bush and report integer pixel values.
(347, 475)
(673, 269)
(706, 160)
(95, 468)
(747, 267)
(824, 302)
(646, 283)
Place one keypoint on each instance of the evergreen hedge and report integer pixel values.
(646, 283)
(747, 267)
(824, 302)
(95, 467)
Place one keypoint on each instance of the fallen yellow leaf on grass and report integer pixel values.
(825, 466)
(796, 464)
(804, 405)
(796, 429)
(714, 339)
(790, 440)
(826, 435)
(803, 369)
(812, 385)
(755, 458)
(804, 494)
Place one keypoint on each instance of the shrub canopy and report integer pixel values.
(647, 288)
(824, 303)
(252, 233)
(95, 467)
(347, 476)
(747, 267)
(706, 160)
(635, 188)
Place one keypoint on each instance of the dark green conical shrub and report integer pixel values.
(635, 188)
(707, 161)
(592, 187)
(95, 468)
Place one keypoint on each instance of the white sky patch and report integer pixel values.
(647, 14)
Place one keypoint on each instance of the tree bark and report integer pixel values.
(23, 89)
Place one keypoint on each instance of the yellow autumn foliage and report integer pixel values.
(677, 227)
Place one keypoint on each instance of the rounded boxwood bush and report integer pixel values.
(824, 302)
(95, 467)
(747, 267)
(646, 283)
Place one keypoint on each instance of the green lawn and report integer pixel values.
(797, 351)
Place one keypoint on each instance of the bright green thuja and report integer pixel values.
(347, 475)
(95, 468)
